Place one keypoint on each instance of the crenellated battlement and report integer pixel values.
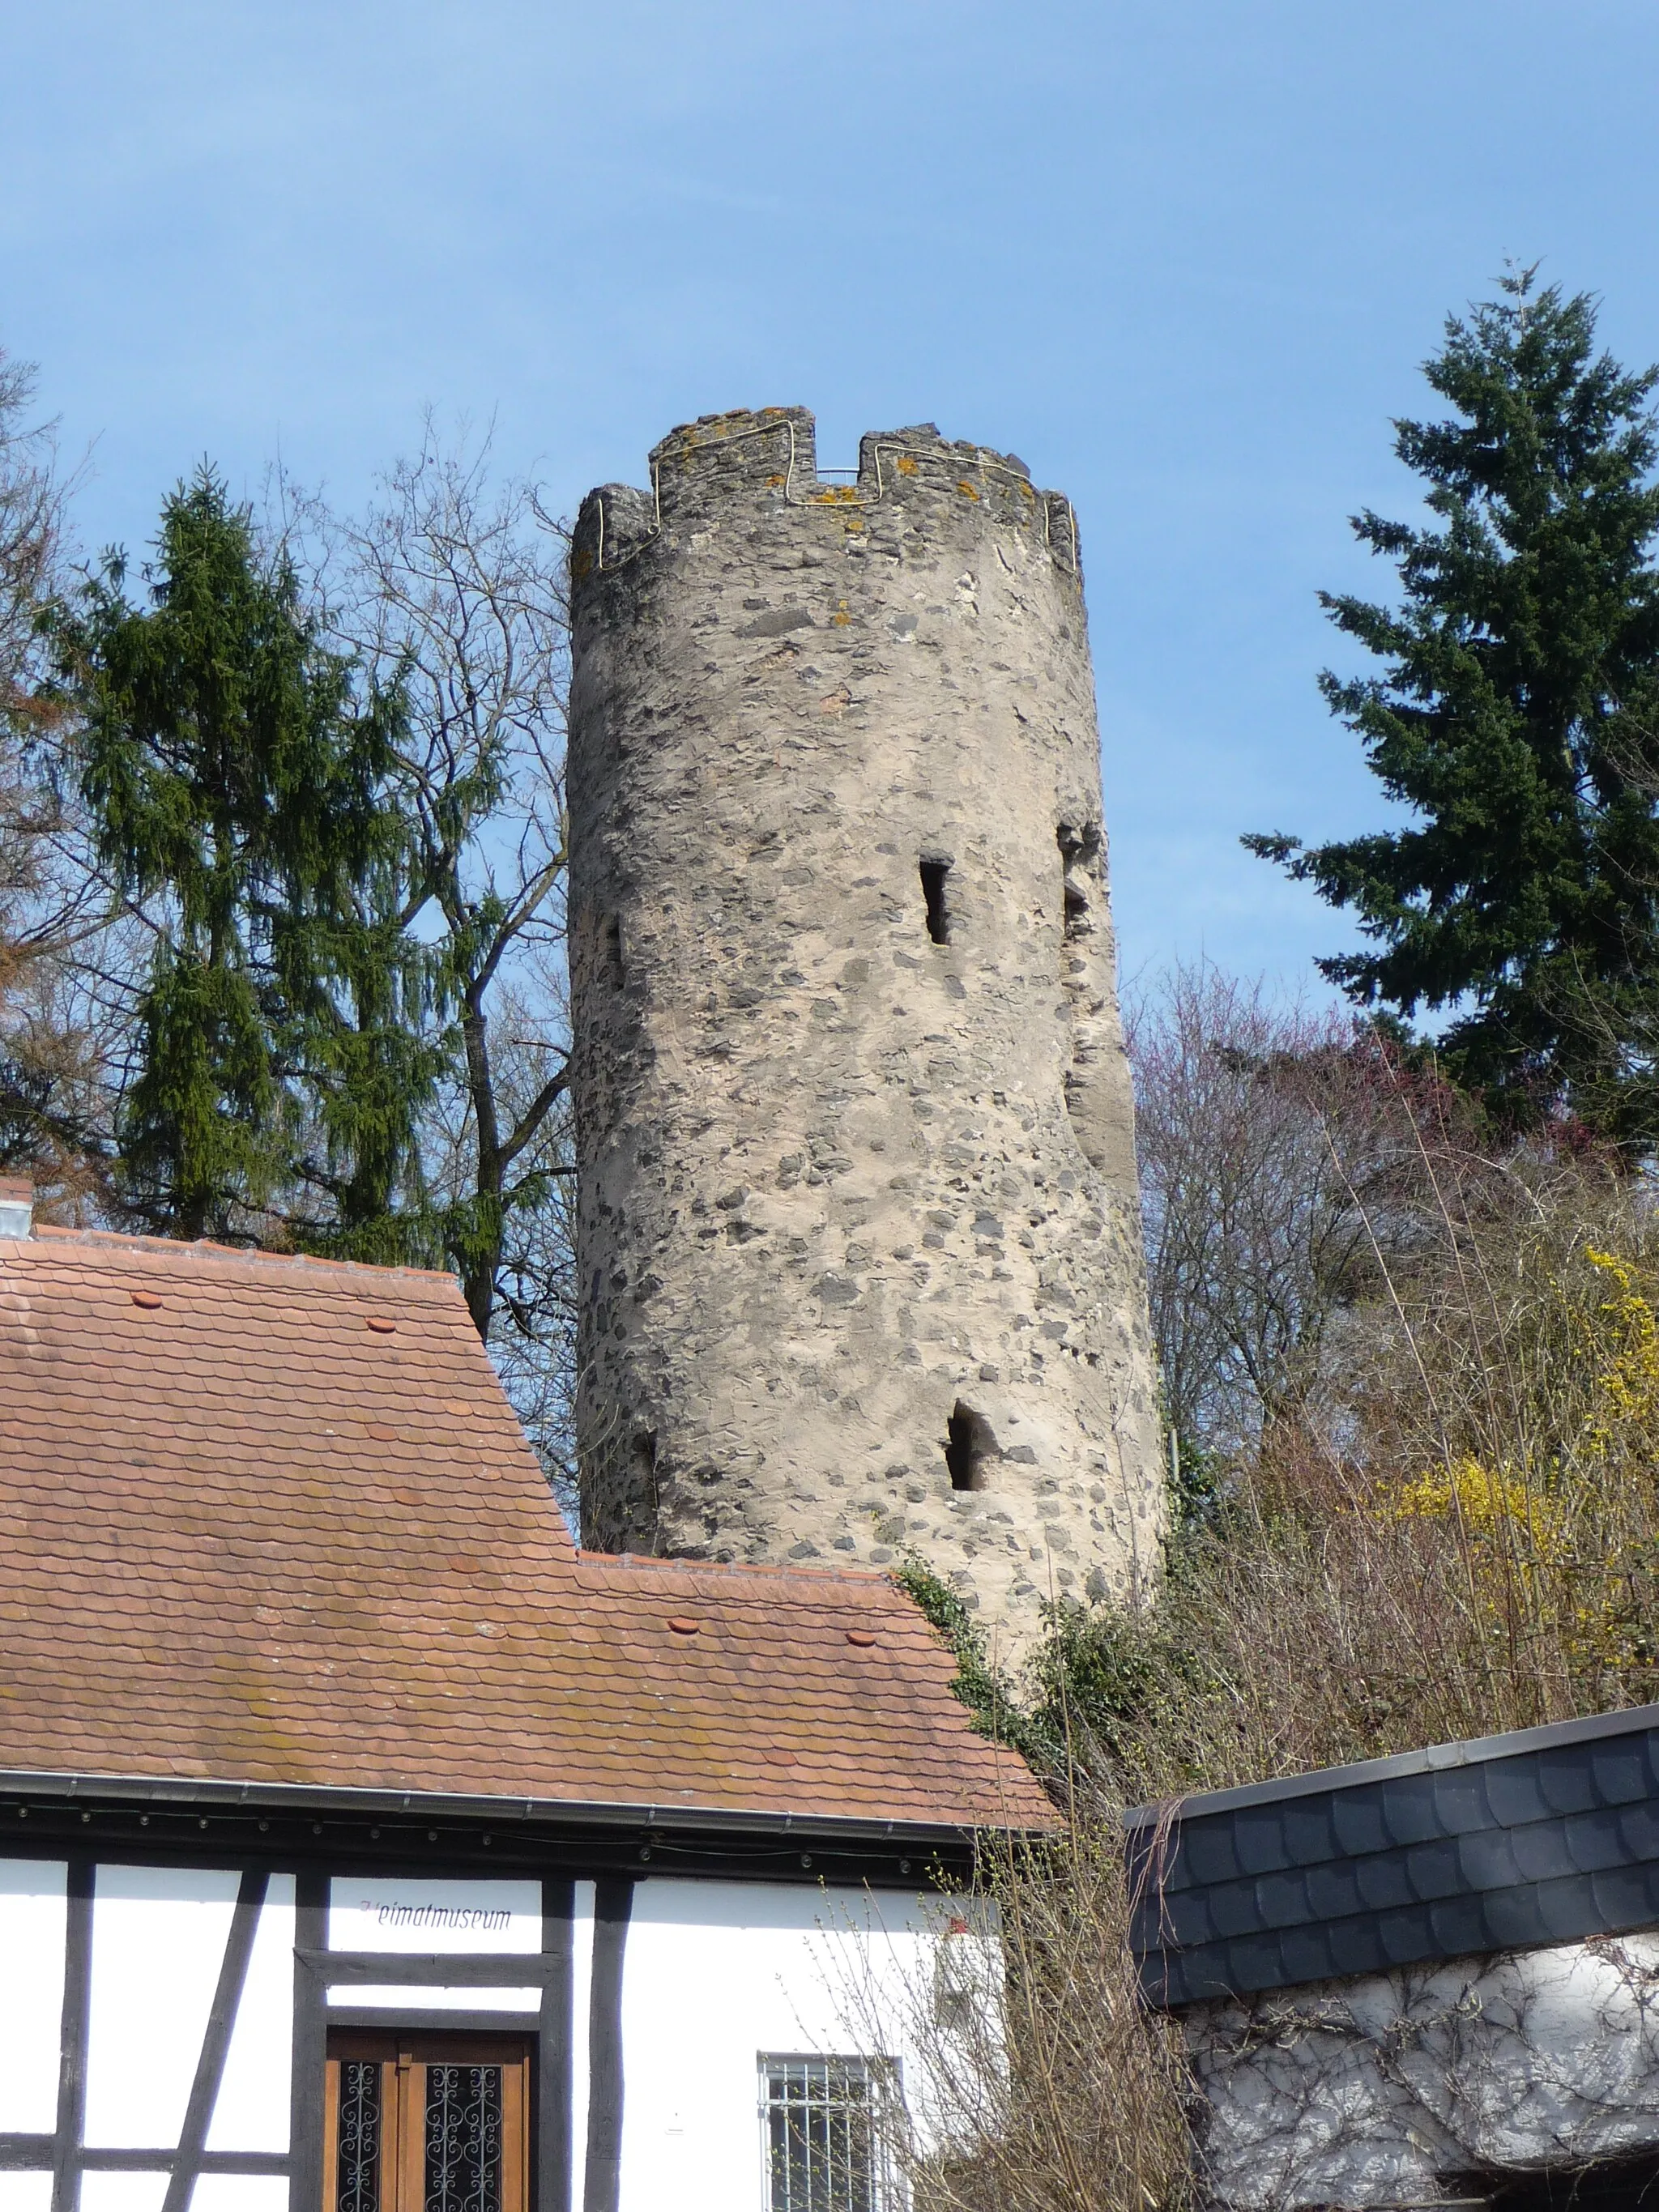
(768, 456)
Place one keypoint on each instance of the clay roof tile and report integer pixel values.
(246, 1536)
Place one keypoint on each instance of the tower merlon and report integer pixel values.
(702, 470)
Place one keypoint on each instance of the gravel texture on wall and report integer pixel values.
(857, 1218)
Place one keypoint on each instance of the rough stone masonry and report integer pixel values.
(857, 1225)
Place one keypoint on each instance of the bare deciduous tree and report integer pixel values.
(452, 588)
(1282, 1149)
(54, 907)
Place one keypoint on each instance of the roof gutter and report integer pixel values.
(307, 1797)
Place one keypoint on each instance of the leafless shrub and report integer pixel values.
(1087, 2110)
(33, 495)
(1036, 2080)
(1434, 1367)
(1461, 1535)
(1281, 1151)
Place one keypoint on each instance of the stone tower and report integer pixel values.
(858, 1233)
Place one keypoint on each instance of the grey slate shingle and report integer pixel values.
(1547, 1836)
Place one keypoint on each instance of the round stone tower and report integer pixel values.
(857, 1233)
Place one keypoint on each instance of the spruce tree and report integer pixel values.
(1517, 716)
(237, 780)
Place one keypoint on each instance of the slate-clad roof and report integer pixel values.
(272, 1520)
(1546, 1836)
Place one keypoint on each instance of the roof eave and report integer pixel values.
(921, 1836)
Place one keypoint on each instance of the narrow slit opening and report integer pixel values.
(1076, 849)
(645, 1466)
(615, 972)
(970, 1445)
(933, 874)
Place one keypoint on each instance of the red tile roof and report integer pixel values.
(272, 1521)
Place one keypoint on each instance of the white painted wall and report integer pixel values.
(240, 2192)
(158, 1942)
(123, 2192)
(158, 1937)
(252, 2110)
(419, 1996)
(425, 1914)
(25, 2193)
(716, 1973)
(1364, 2091)
(32, 1923)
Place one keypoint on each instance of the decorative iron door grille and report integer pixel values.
(463, 2139)
(357, 2164)
(828, 2134)
(426, 2124)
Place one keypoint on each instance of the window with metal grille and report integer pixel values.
(827, 2123)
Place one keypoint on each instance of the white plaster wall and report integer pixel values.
(1366, 2091)
(33, 1916)
(158, 1943)
(240, 2192)
(25, 2193)
(420, 1915)
(158, 1939)
(416, 1914)
(250, 2112)
(418, 1996)
(716, 1973)
(123, 2192)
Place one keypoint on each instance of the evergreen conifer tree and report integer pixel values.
(238, 785)
(1517, 715)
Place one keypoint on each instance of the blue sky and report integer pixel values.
(1184, 256)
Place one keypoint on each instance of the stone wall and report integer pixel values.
(858, 1228)
(1432, 2081)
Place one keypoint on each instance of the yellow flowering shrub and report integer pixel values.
(1562, 1543)
(1489, 1506)
(1627, 1387)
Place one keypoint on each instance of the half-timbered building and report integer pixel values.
(367, 1847)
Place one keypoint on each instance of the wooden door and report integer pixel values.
(427, 2123)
